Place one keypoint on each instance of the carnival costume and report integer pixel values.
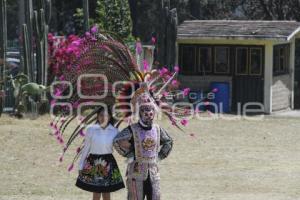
(149, 143)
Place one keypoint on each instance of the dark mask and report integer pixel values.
(147, 113)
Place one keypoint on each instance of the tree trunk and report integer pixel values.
(86, 14)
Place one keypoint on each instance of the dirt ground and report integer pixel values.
(213, 160)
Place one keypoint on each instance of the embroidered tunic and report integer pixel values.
(147, 147)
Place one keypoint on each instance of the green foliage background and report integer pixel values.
(111, 15)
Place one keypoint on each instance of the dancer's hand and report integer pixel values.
(125, 144)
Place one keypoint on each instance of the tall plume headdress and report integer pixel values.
(102, 59)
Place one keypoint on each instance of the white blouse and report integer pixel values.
(97, 141)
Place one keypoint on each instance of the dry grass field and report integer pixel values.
(221, 160)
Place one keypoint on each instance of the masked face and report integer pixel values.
(147, 114)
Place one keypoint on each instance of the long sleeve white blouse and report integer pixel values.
(97, 141)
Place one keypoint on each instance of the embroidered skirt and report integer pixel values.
(100, 174)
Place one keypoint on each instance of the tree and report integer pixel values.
(79, 21)
(272, 9)
(212, 9)
(110, 15)
(114, 16)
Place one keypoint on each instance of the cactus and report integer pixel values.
(39, 28)
(3, 46)
(3, 36)
(42, 18)
(26, 53)
(27, 43)
(37, 22)
(36, 31)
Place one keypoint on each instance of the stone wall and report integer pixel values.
(281, 92)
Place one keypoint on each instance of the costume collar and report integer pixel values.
(144, 126)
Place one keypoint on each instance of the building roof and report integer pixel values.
(238, 29)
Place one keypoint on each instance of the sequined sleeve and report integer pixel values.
(124, 135)
(166, 143)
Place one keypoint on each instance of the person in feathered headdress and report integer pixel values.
(142, 92)
(144, 144)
